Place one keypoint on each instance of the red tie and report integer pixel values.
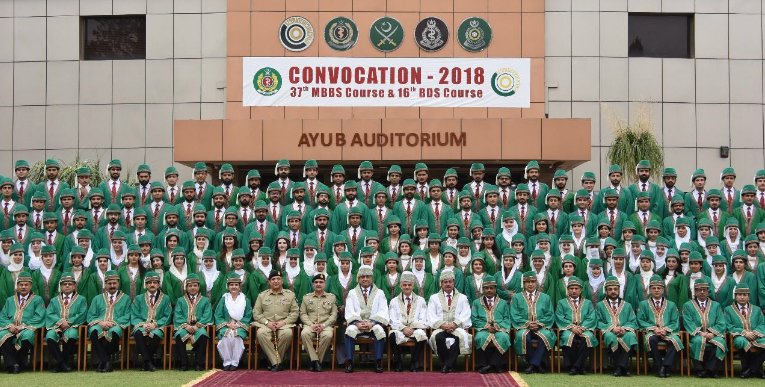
(393, 195)
(762, 200)
(504, 198)
(699, 201)
(300, 208)
(5, 208)
(321, 240)
(294, 240)
(366, 191)
(21, 235)
(273, 213)
(310, 190)
(200, 192)
(143, 195)
(714, 217)
(422, 192)
(379, 215)
(261, 231)
(748, 214)
(111, 233)
(50, 239)
(156, 210)
(523, 212)
(584, 217)
(437, 212)
(66, 301)
(127, 218)
(613, 219)
(66, 221)
(228, 193)
(111, 299)
(172, 195)
(534, 192)
(188, 210)
(51, 191)
(491, 303)
(477, 191)
(467, 223)
(114, 192)
(643, 187)
(217, 217)
(408, 209)
(493, 218)
(37, 221)
(21, 189)
(645, 219)
(449, 300)
(354, 239)
(730, 199)
(451, 197)
(337, 195)
(284, 189)
(365, 295)
(552, 221)
(669, 194)
(408, 305)
(244, 216)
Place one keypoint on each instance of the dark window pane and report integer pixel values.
(114, 37)
(660, 35)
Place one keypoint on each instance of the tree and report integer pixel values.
(636, 141)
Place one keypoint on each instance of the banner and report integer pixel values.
(431, 82)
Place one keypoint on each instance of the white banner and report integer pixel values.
(433, 82)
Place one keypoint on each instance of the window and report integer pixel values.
(114, 37)
(660, 35)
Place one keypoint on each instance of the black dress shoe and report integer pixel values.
(762, 375)
(378, 366)
(746, 374)
(580, 371)
(199, 368)
(318, 366)
(626, 372)
(572, 371)
(617, 372)
(108, 367)
(540, 370)
(15, 369)
(529, 370)
(348, 367)
(399, 368)
(66, 367)
(485, 369)
(444, 370)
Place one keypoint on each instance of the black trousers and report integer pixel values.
(709, 361)
(199, 347)
(13, 356)
(146, 346)
(416, 351)
(490, 357)
(447, 355)
(102, 349)
(620, 358)
(535, 356)
(575, 355)
(62, 352)
(751, 360)
(669, 356)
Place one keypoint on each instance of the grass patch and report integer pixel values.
(606, 380)
(92, 378)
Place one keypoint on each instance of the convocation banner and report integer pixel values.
(432, 82)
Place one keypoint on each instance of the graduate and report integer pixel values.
(676, 283)
(628, 284)
(132, 273)
(80, 273)
(232, 319)
(596, 278)
(22, 314)
(464, 255)
(150, 314)
(448, 262)
(491, 251)
(425, 283)
(294, 277)
(449, 317)
(366, 312)
(473, 285)
(577, 320)
(658, 317)
(741, 275)
(695, 264)
(532, 315)
(64, 316)
(491, 319)
(747, 326)
(108, 317)
(617, 321)
(179, 270)
(721, 284)
(212, 281)
(559, 289)
(408, 321)
(45, 279)
(508, 278)
(704, 320)
(389, 281)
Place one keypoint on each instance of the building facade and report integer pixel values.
(181, 102)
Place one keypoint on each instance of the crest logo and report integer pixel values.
(386, 34)
(341, 33)
(505, 82)
(431, 34)
(267, 81)
(474, 34)
(296, 33)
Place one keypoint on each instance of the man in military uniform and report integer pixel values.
(274, 314)
(193, 314)
(150, 314)
(21, 315)
(491, 319)
(108, 317)
(318, 313)
(705, 323)
(64, 316)
(618, 323)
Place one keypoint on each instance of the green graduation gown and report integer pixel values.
(132, 286)
(57, 313)
(507, 287)
(499, 317)
(46, 289)
(101, 310)
(649, 318)
(523, 311)
(142, 311)
(198, 314)
(31, 316)
(567, 315)
(711, 320)
(222, 318)
(559, 292)
(737, 324)
(622, 316)
(724, 293)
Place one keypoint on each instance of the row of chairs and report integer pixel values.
(127, 342)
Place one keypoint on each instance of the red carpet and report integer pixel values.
(356, 379)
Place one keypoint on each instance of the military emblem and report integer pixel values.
(431, 34)
(341, 33)
(505, 82)
(267, 81)
(386, 34)
(474, 34)
(296, 33)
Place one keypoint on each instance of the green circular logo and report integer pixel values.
(386, 34)
(267, 81)
(505, 82)
(341, 33)
(474, 34)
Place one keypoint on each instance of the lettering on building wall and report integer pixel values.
(399, 139)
